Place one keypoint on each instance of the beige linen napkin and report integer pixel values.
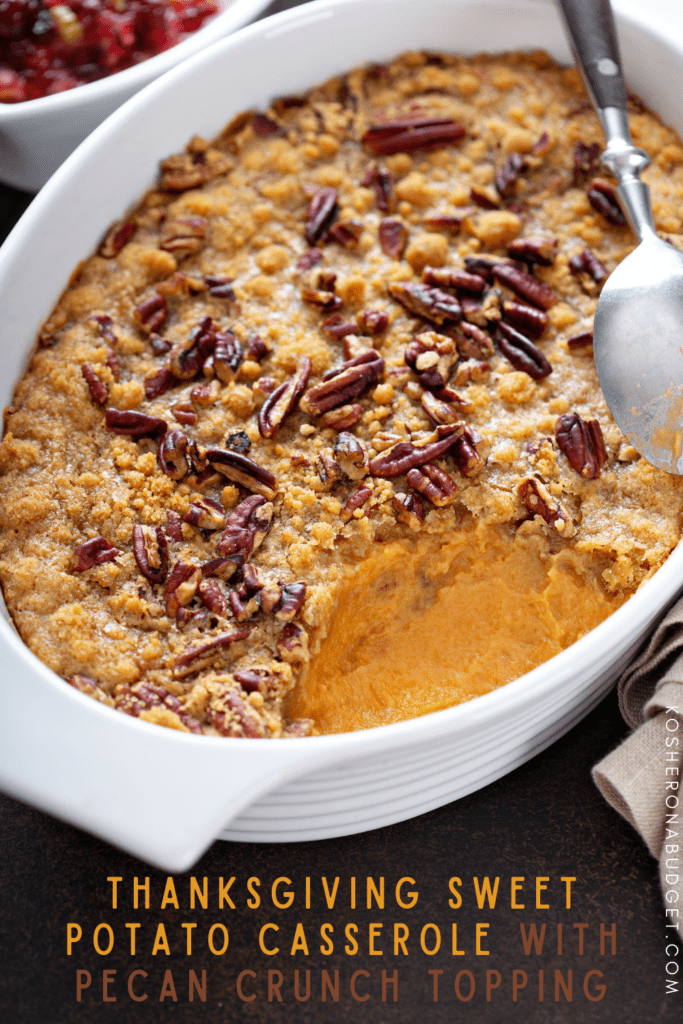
(641, 778)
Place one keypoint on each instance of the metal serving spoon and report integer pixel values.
(638, 327)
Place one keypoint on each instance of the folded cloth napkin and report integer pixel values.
(641, 778)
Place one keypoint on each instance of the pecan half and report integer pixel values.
(530, 320)
(343, 383)
(151, 313)
(469, 451)
(160, 383)
(524, 284)
(184, 413)
(174, 525)
(472, 342)
(602, 196)
(98, 391)
(242, 470)
(283, 400)
(207, 515)
(582, 443)
(183, 235)
(425, 301)
(446, 277)
(194, 658)
(172, 454)
(212, 597)
(586, 262)
(328, 469)
(409, 509)
(292, 644)
(354, 502)
(540, 502)
(253, 679)
(93, 552)
(393, 236)
(522, 352)
(586, 160)
(134, 424)
(351, 456)
(150, 549)
(438, 410)
(246, 527)
(409, 134)
(507, 175)
(116, 238)
(220, 287)
(336, 326)
(181, 586)
(383, 182)
(534, 249)
(436, 485)
(406, 455)
(321, 212)
(224, 568)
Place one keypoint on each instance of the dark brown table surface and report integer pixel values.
(544, 819)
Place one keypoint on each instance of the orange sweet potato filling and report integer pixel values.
(424, 625)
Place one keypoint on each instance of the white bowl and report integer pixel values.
(38, 135)
(163, 795)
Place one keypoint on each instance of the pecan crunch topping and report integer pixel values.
(582, 443)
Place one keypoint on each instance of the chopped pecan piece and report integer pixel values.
(540, 502)
(292, 644)
(104, 326)
(224, 568)
(484, 198)
(291, 601)
(93, 552)
(354, 502)
(393, 235)
(172, 454)
(582, 340)
(507, 175)
(447, 221)
(174, 525)
(409, 134)
(151, 552)
(586, 160)
(238, 442)
(183, 235)
(227, 356)
(530, 320)
(522, 352)
(383, 183)
(252, 680)
(309, 259)
(134, 424)
(194, 658)
(582, 443)
(264, 126)
(346, 232)
(372, 321)
(98, 391)
(321, 213)
(471, 369)
(431, 355)
(409, 509)
(283, 400)
(472, 342)
(602, 196)
(243, 607)
(343, 418)
(181, 285)
(246, 527)
(256, 348)
(220, 287)
(133, 701)
(116, 238)
(440, 411)
(207, 515)
(160, 383)
(318, 297)
(405, 455)
(337, 326)
(242, 470)
(345, 382)
(524, 284)
(151, 313)
(351, 456)
(328, 469)
(466, 452)
(534, 249)
(184, 413)
(446, 277)
(586, 262)
(425, 301)
(237, 719)
(181, 586)
(436, 485)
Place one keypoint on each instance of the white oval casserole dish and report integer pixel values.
(163, 795)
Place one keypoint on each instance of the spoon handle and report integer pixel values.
(591, 29)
